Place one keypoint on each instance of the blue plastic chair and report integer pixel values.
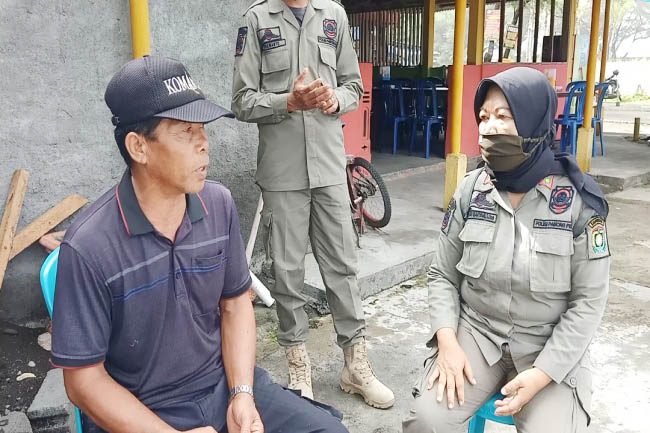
(601, 88)
(48, 285)
(426, 114)
(486, 412)
(397, 107)
(570, 120)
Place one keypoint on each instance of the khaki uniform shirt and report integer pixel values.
(303, 149)
(535, 278)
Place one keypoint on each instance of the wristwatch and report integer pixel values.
(238, 389)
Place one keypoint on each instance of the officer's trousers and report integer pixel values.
(555, 409)
(321, 215)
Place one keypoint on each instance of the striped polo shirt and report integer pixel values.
(148, 308)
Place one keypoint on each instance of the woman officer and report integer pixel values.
(521, 275)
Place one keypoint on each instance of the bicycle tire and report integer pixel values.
(367, 190)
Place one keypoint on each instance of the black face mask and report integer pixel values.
(503, 152)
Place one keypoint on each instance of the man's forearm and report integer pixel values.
(238, 336)
(111, 406)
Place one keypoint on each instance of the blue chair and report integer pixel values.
(397, 107)
(426, 114)
(601, 89)
(572, 116)
(486, 412)
(48, 285)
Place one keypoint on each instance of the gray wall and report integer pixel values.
(56, 57)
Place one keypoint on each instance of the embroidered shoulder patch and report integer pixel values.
(597, 237)
(241, 41)
(446, 220)
(270, 38)
(561, 199)
(481, 200)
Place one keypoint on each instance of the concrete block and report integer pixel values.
(15, 422)
(51, 410)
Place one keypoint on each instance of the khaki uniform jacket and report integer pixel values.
(536, 278)
(298, 150)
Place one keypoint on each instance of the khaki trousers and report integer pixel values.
(320, 216)
(555, 409)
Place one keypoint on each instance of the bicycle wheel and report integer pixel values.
(369, 185)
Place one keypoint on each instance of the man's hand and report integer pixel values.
(450, 366)
(520, 390)
(331, 106)
(242, 415)
(308, 97)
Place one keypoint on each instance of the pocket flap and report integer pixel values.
(275, 60)
(558, 243)
(477, 232)
(328, 56)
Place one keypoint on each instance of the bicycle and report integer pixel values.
(369, 199)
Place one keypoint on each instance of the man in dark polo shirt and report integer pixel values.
(152, 324)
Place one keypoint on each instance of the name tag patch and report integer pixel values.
(475, 214)
(553, 224)
(270, 38)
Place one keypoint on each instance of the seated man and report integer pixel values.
(152, 324)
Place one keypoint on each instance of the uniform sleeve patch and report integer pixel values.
(447, 219)
(241, 41)
(597, 236)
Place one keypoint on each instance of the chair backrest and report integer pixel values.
(404, 96)
(575, 100)
(389, 100)
(601, 88)
(48, 279)
(570, 85)
(48, 286)
(426, 99)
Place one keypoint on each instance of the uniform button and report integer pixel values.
(573, 381)
(178, 275)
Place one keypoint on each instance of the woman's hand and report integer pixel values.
(520, 390)
(450, 366)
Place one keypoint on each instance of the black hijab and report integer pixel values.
(533, 104)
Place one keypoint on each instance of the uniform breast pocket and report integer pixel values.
(550, 262)
(205, 285)
(275, 70)
(327, 65)
(477, 242)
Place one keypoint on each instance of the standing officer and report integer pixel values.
(301, 171)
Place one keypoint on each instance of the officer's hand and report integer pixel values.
(242, 416)
(450, 366)
(331, 106)
(307, 97)
(520, 390)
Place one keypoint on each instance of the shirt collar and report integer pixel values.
(277, 6)
(135, 221)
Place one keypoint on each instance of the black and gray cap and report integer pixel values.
(153, 86)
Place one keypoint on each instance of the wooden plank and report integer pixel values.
(536, 32)
(46, 222)
(520, 29)
(11, 216)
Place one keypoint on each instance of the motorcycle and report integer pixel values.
(613, 91)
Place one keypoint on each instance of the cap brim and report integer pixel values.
(199, 111)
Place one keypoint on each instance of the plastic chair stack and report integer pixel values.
(601, 90)
(398, 107)
(48, 285)
(570, 120)
(486, 412)
(426, 115)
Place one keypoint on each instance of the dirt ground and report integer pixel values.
(18, 346)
